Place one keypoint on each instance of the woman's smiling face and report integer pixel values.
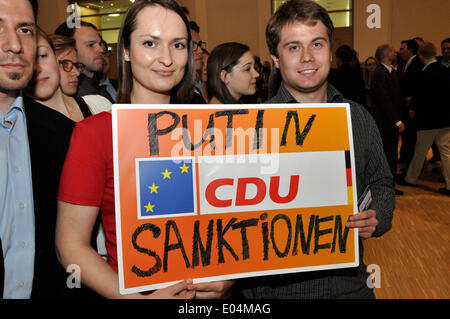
(158, 50)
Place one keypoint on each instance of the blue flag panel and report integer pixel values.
(166, 187)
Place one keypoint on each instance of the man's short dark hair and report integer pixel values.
(34, 6)
(411, 45)
(445, 41)
(308, 12)
(64, 30)
(194, 26)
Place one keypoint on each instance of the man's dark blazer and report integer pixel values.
(88, 86)
(385, 94)
(409, 81)
(431, 98)
(2, 270)
(49, 134)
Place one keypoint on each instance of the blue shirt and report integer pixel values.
(16, 203)
(110, 88)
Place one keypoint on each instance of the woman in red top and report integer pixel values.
(155, 67)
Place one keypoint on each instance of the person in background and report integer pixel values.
(154, 36)
(369, 66)
(430, 103)
(348, 78)
(102, 76)
(408, 75)
(69, 69)
(197, 46)
(50, 129)
(51, 74)
(89, 50)
(386, 100)
(300, 36)
(203, 75)
(444, 59)
(231, 73)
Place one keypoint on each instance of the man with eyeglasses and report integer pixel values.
(90, 52)
(197, 46)
(102, 76)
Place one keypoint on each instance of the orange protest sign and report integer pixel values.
(214, 192)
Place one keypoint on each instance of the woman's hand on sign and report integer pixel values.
(213, 290)
(365, 221)
(182, 290)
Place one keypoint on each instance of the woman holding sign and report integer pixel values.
(231, 73)
(156, 66)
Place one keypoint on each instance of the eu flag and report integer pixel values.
(166, 187)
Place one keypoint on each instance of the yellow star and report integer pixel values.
(153, 189)
(184, 168)
(166, 174)
(149, 207)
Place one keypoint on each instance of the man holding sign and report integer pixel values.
(299, 36)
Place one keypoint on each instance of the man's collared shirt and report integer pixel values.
(389, 68)
(409, 62)
(16, 203)
(283, 96)
(426, 65)
(109, 88)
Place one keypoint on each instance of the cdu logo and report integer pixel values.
(165, 187)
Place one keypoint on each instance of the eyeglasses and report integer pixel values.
(200, 44)
(68, 65)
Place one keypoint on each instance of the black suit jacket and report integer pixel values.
(350, 83)
(49, 134)
(2, 270)
(431, 98)
(409, 80)
(385, 94)
(88, 86)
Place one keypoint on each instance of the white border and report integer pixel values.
(116, 107)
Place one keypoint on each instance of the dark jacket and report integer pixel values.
(88, 86)
(430, 101)
(386, 97)
(409, 78)
(350, 83)
(49, 134)
(2, 270)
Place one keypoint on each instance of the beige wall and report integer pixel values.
(429, 19)
(400, 20)
(232, 20)
(51, 14)
(245, 21)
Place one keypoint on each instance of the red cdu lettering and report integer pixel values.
(275, 187)
(210, 192)
(261, 191)
(242, 189)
